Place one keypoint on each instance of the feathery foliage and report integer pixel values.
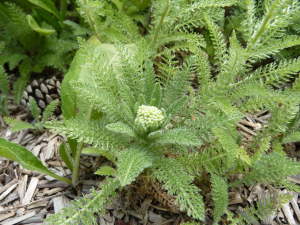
(4, 88)
(38, 125)
(153, 122)
(148, 112)
(34, 39)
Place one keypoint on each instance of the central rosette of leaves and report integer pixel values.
(149, 118)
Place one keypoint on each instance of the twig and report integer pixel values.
(64, 169)
(30, 203)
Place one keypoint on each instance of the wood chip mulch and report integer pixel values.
(28, 197)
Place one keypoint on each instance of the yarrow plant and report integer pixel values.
(149, 118)
(114, 102)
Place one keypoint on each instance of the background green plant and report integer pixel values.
(38, 125)
(35, 37)
(238, 69)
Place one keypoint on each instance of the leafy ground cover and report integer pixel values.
(176, 111)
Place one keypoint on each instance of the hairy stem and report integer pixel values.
(262, 27)
(162, 18)
(91, 22)
(78, 153)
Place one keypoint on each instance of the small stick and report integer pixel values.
(30, 203)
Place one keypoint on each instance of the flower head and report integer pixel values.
(149, 117)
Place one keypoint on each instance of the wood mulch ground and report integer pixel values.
(28, 197)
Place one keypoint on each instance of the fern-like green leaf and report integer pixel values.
(17, 125)
(49, 111)
(157, 94)
(176, 106)
(106, 171)
(19, 87)
(3, 106)
(126, 94)
(228, 145)
(178, 136)
(131, 162)
(101, 99)
(34, 109)
(264, 146)
(122, 128)
(218, 41)
(293, 137)
(126, 113)
(220, 196)
(110, 155)
(179, 183)
(93, 132)
(83, 209)
(4, 81)
(272, 168)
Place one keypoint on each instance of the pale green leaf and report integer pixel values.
(131, 163)
(176, 106)
(178, 136)
(66, 156)
(34, 109)
(49, 6)
(34, 26)
(17, 125)
(106, 171)
(220, 196)
(293, 137)
(122, 128)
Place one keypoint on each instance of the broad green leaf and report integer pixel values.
(178, 136)
(49, 6)
(120, 127)
(26, 158)
(33, 24)
(132, 10)
(45, 16)
(119, 4)
(65, 155)
(106, 171)
(131, 163)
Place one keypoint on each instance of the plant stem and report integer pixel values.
(61, 178)
(91, 21)
(75, 177)
(262, 27)
(63, 8)
(162, 18)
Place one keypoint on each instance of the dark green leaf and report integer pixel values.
(48, 18)
(26, 158)
(66, 156)
(49, 6)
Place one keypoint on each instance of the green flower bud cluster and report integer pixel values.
(149, 118)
